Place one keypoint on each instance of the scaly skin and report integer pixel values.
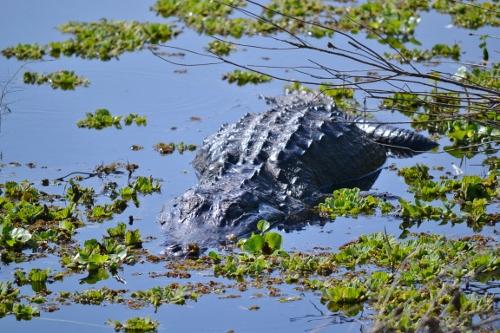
(276, 165)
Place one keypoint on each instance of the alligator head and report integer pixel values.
(208, 212)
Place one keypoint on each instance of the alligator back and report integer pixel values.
(299, 144)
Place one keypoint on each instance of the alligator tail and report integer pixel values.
(398, 140)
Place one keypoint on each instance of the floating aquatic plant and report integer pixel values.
(264, 242)
(65, 80)
(169, 148)
(242, 78)
(220, 48)
(103, 118)
(136, 324)
(102, 40)
(417, 55)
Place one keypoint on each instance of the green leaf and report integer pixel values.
(39, 275)
(273, 240)
(118, 231)
(133, 238)
(214, 256)
(263, 226)
(254, 244)
(20, 235)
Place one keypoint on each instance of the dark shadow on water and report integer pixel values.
(206, 236)
(322, 321)
(311, 216)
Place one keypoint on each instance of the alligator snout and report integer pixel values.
(207, 213)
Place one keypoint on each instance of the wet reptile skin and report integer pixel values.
(278, 164)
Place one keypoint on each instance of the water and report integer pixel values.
(42, 129)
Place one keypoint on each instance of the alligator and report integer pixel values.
(279, 164)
